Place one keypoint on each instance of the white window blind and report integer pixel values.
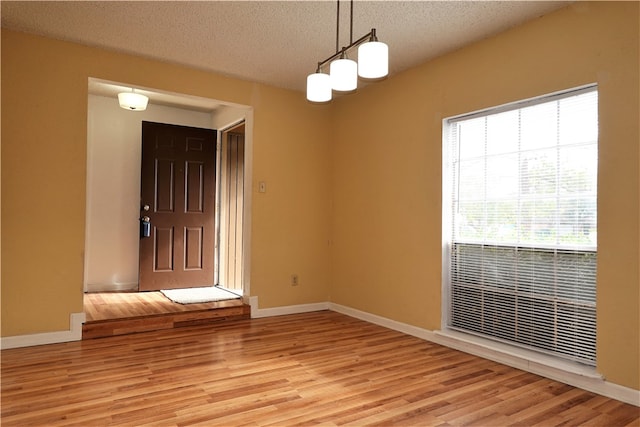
(523, 223)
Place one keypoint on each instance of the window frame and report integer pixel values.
(447, 199)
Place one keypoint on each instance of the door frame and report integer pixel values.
(223, 115)
(221, 211)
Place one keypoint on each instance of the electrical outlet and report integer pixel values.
(294, 280)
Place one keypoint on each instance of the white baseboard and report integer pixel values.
(281, 311)
(111, 287)
(73, 334)
(415, 331)
(575, 375)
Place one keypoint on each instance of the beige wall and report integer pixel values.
(362, 174)
(44, 148)
(387, 160)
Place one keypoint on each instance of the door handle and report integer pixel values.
(145, 226)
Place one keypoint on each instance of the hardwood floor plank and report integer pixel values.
(314, 368)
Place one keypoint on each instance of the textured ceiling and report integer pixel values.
(273, 42)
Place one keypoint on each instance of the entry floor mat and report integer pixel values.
(199, 295)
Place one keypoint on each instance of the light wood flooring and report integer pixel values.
(118, 313)
(315, 368)
(120, 305)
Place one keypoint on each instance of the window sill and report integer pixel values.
(528, 360)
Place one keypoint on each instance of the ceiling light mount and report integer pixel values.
(373, 64)
(133, 101)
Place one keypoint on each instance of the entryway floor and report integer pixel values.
(119, 313)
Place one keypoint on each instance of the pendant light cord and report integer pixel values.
(351, 26)
(337, 26)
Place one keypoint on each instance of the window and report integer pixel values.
(520, 223)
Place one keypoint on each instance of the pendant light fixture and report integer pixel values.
(133, 101)
(373, 63)
(373, 58)
(343, 73)
(318, 87)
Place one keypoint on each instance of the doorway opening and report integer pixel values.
(113, 184)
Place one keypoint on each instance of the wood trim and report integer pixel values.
(73, 334)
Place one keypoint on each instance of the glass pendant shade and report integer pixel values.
(318, 87)
(133, 101)
(373, 60)
(344, 75)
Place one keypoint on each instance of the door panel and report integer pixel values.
(178, 184)
(193, 248)
(163, 248)
(194, 186)
(164, 178)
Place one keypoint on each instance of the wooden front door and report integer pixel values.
(178, 197)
